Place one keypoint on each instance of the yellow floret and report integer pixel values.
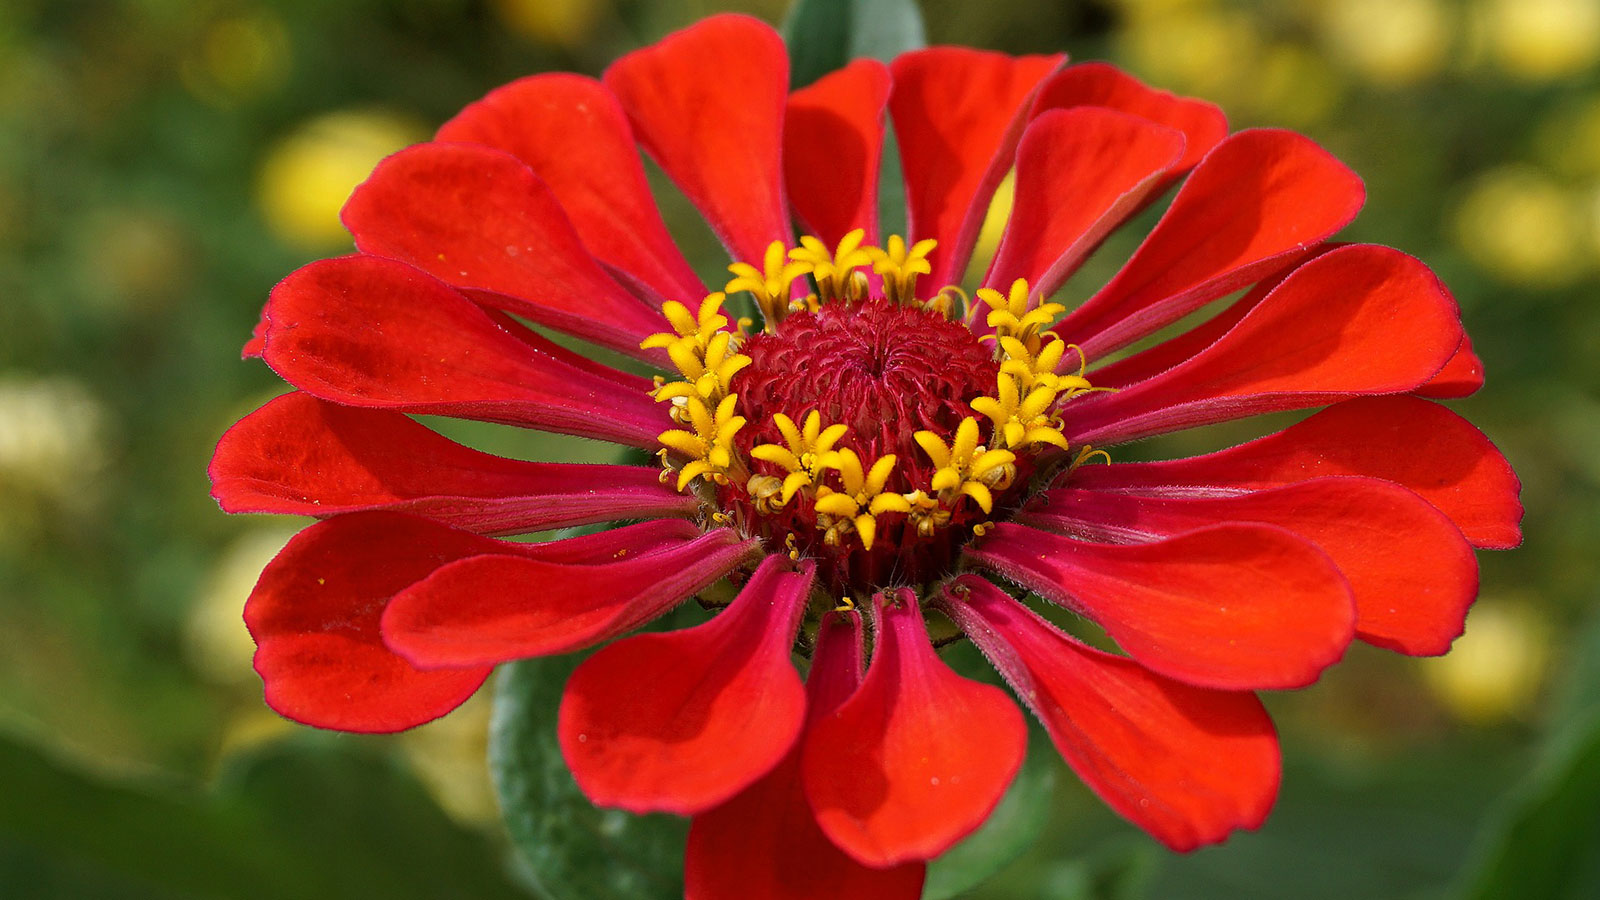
(770, 284)
(965, 468)
(836, 273)
(1021, 420)
(862, 500)
(1010, 316)
(900, 266)
(699, 328)
(709, 447)
(802, 458)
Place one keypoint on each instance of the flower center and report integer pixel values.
(886, 373)
(871, 433)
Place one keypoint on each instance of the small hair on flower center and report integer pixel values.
(860, 426)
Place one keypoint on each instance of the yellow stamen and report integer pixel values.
(764, 491)
(836, 273)
(802, 459)
(1021, 420)
(1086, 453)
(702, 351)
(770, 284)
(1036, 368)
(699, 328)
(945, 302)
(862, 500)
(709, 447)
(900, 266)
(965, 468)
(927, 513)
(1010, 316)
(1073, 385)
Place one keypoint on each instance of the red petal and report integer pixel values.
(958, 114)
(366, 331)
(707, 103)
(1152, 361)
(832, 145)
(1186, 764)
(838, 663)
(1462, 376)
(1411, 442)
(1357, 320)
(481, 221)
(1080, 174)
(1101, 84)
(682, 721)
(572, 133)
(1412, 573)
(547, 347)
(1254, 205)
(918, 757)
(765, 844)
(254, 347)
(1235, 607)
(298, 455)
(314, 616)
(494, 608)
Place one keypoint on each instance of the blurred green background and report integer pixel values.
(164, 162)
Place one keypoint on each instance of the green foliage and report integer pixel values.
(293, 820)
(573, 850)
(823, 35)
(1546, 843)
(1548, 847)
(1010, 830)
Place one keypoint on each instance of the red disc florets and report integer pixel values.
(886, 372)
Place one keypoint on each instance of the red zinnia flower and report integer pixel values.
(872, 439)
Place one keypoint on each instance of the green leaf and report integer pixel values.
(1396, 830)
(891, 188)
(310, 817)
(1545, 845)
(823, 35)
(574, 851)
(1014, 826)
(1120, 871)
(1548, 846)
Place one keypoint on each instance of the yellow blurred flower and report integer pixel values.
(216, 641)
(1149, 9)
(1494, 670)
(1519, 224)
(447, 757)
(52, 450)
(565, 23)
(143, 258)
(308, 174)
(1194, 49)
(237, 58)
(1568, 140)
(1389, 42)
(1541, 40)
(1294, 86)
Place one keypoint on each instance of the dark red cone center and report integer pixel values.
(887, 372)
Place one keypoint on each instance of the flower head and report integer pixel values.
(859, 454)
